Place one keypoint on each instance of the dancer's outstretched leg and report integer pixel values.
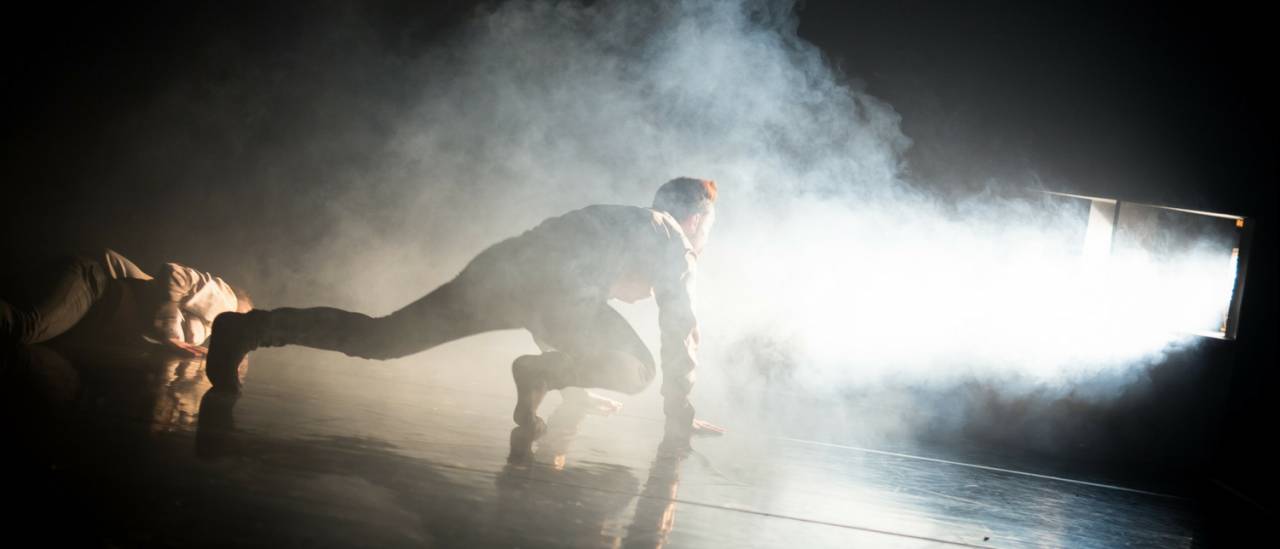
(452, 311)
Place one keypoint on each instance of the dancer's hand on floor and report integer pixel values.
(593, 403)
(182, 348)
(602, 406)
(707, 429)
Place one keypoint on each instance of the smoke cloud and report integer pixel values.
(379, 166)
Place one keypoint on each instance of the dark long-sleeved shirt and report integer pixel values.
(624, 252)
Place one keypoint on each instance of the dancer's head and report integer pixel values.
(692, 203)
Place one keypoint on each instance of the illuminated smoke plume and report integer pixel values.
(830, 268)
(824, 245)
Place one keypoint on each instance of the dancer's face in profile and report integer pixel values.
(697, 228)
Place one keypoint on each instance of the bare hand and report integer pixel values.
(185, 349)
(595, 404)
(603, 406)
(707, 429)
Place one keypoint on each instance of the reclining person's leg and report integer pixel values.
(119, 266)
(55, 301)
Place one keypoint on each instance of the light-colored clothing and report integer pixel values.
(195, 298)
(190, 299)
(109, 298)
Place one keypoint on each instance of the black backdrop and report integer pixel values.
(1151, 103)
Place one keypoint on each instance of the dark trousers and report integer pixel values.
(54, 298)
(590, 343)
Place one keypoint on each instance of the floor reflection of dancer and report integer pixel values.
(529, 482)
(554, 280)
(180, 385)
(547, 500)
(656, 507)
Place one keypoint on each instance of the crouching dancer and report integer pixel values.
(554, 280)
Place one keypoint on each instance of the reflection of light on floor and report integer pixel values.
(181, 384)
(349, 460)
(855, 505)
(920, 510)
(983, 467)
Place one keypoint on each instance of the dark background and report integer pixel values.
(1150, 103)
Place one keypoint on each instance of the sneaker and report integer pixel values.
(531, 386)
(231, 339)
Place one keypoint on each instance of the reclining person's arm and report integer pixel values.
(189, 299)
(198, 294)
(169, 329)
(173, 285)
(167, 323)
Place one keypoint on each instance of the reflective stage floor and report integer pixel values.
(321, 451)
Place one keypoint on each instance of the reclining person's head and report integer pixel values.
(244, 303)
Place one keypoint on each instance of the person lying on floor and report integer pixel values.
(109, 300)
